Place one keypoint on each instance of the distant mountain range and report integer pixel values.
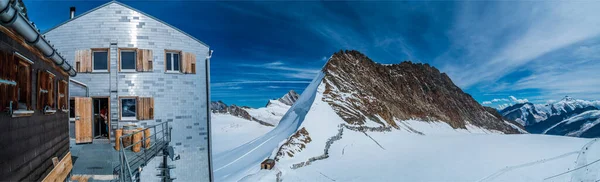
(268, 115)
(569, 117)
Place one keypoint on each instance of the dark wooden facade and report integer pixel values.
(28, 143)
(267, 164)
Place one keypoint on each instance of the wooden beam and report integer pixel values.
(61, 170)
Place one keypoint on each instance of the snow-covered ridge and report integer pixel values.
(268, 115)
(567, 116)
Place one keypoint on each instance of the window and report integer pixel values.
(128, 108)
(15, 84)
(46, 93)
(128, 60)
(24, 86)
(62, 95)
(100, 60)
(172, 60)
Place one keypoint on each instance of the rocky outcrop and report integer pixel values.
(294, 144)
(287, 99)
(221, 107)
(497, 114)
(359, 89)
(218, 107)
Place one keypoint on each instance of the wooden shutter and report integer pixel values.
(151, 108)
(139, 60)
(188, 63)
(83, 60)
(192, 63)
(145, 108)
(8, 71)
(62, 90)
(40, 100)
(147, 58)
(28, 92)
(138, 108)
(88, 60)
(51, 93)
(183, 62)
(78, 61)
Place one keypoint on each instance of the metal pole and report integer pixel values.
(121, 158)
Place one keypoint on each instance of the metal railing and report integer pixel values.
(131, 162)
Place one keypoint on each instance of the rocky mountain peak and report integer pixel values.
(234, 110)
(567, 98)
(359, 90)
(287, 99)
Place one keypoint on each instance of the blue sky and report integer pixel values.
(499, 52)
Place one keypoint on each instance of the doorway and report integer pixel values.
(101, 117)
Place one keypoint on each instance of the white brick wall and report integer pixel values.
(180, 98)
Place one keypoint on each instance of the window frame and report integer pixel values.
(172, 56)
(51, 101)
(107, 50)
(121, 118)
(62, 85)
(27, 63)
(180, 53)
(134, 50)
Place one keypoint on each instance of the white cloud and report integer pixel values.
(290, 72)
(502, 106)
(521, 33)
(500, 100)
(519, 101)
(236, 83)
(486, 103)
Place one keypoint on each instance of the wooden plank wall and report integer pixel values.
(29, 143)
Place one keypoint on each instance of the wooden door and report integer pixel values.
(83, 120)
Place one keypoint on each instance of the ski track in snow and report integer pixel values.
(510, 168)
(581, 163)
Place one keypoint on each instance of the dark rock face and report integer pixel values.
(497, 114)
(287, 99)
(220, 107)
(358, 88)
